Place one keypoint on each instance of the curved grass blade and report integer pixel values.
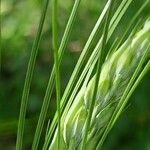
(27, 84)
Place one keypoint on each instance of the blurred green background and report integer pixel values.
(18, 29)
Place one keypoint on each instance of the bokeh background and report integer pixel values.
(19, 22)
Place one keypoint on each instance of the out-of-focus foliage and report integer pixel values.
(18, 28)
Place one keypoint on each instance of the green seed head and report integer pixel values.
(115, 75)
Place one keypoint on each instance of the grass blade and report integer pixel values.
(57, 71)
(27, 84)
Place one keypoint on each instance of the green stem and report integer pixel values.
(57, 72)
(27, 84)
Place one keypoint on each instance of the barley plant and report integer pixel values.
(102, 81)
